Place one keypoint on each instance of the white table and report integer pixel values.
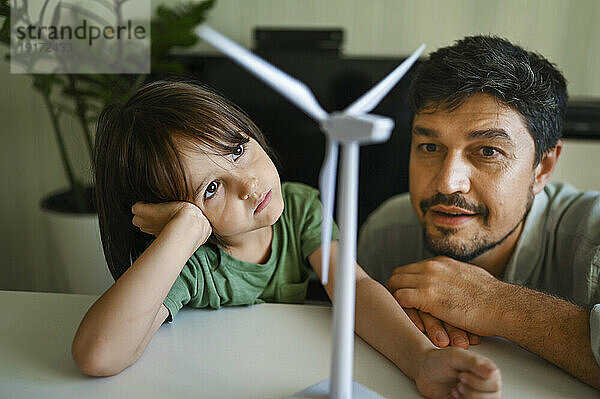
(263, 351)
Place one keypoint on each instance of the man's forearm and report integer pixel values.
(553, 328)
(470, 298)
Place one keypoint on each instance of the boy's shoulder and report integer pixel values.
(296, 189)
(299, 200)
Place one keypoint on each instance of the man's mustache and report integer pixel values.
(456, 200)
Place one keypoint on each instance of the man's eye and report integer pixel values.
(489, 152)
(211, 189)
(428, 147)
(238, 152)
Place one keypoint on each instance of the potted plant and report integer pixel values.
(80, 97)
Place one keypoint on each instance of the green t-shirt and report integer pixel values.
(212, 278)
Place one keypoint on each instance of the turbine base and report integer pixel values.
(321, 390)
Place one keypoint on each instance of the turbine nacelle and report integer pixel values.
(363, 129)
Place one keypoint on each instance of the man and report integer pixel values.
(482, 222)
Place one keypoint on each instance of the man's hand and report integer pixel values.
(456, 373)
(441, 333)
(470, 298)
(461, 294)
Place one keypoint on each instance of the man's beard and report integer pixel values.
(471, 248)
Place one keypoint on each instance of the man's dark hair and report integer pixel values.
(521, 79)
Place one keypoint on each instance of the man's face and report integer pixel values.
(471, 176)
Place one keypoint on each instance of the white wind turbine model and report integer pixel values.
(351, 127)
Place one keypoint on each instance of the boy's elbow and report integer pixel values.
(93, 361)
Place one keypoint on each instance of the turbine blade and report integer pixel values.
(291, 88)
(370, 99)
(327, 188)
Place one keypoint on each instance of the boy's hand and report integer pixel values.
(441, 333)
(151, 218)
(457, 373)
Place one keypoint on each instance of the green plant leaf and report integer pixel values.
(5, 29)
(4, 8)
(45, 83)
(173, 27)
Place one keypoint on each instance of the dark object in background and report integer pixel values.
(298, 40)
(336, 82)
(582, 119)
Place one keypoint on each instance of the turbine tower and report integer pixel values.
(351, 128)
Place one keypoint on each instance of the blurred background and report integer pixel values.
(340, 48)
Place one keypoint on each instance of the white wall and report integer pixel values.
(567, 32)
(579, 164)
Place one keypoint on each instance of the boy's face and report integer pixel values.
(239, 192)
(471, 176)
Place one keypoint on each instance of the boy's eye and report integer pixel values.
(238, 152)
(211, 189)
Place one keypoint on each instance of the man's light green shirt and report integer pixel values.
(558, 251)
